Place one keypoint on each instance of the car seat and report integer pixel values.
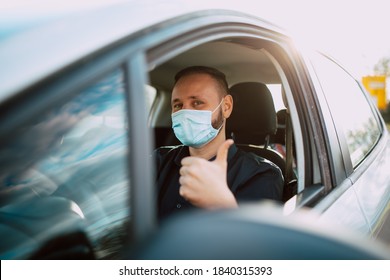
(252, 123)
(279, 139)
(280, 136)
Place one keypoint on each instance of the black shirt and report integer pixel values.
(249, 177)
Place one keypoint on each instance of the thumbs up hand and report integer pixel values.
(203, 183)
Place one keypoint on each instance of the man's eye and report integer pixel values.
(177, 106)
(197, 103)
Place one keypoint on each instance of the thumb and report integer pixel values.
(222, 152)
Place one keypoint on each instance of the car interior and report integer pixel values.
(250, 74)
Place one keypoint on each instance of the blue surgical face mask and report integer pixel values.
(193, 127)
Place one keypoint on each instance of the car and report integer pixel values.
(85, 99)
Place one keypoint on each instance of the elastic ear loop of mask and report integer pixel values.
(218, 106)
(215, 110)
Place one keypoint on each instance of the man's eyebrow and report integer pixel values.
(190, 97)
(175, 100)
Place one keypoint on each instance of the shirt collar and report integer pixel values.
(185, 152)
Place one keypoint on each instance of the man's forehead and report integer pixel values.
(191, 87)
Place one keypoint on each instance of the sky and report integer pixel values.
(355, 32)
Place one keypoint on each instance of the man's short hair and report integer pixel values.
(217, 75)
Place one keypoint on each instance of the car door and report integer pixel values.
(362, 198)
(67, 169)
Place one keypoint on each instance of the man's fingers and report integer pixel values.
(183, 171)
(189, 161)
(223, 150)
(187, 193)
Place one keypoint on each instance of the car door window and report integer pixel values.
(77, 150)
(350, 108)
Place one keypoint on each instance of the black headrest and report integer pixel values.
(253, 117)
(281, 118)
(281, 131)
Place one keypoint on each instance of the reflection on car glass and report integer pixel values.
(78, 151)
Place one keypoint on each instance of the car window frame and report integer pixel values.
(293, 68)
(338, 171)
(339, 134)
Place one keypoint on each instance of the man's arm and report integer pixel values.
(267, 184)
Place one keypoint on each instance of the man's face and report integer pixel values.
(198, 92)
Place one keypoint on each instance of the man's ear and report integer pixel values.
(227, 106)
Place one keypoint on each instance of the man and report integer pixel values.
(208, 171)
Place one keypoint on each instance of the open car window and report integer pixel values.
(241, 62)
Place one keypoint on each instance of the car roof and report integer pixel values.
(42, 43)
